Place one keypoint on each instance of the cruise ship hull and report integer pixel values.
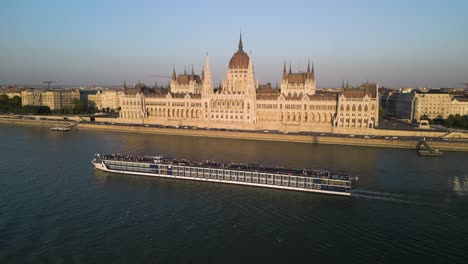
(103, 167)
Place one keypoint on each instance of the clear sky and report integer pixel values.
(397, 43)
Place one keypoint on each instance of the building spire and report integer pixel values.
(185, 70)
(192, 75)
(308, 66)
(240, 42)
(290, 68)
(173, 73)
(312, 73)
(125, 85)
(284, 71)
(207, 84)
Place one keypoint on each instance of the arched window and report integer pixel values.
(359, 108)
(347, 107)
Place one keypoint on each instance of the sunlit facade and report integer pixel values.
(241, 103)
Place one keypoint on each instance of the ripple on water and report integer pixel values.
(55, 208)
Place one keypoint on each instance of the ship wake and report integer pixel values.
(400, 198)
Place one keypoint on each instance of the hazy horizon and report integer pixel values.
(397, 43)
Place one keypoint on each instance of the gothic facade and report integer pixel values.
(241, 103)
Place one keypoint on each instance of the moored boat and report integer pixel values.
(64, 129)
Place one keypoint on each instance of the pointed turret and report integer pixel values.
(250, 67)
(284, 71)
(312, 73)
(240, 42)
(206, 76)
(174, 76)
(192, 74)
(290, 68)
(203, 74)
(125, 85)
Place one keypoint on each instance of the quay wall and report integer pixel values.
(30, 122)
(385, 143)
(460, 145)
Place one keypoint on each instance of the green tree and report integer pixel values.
(43, 110)
(381, 113)
(78, 106)
(15, 102)
(450, 122)
(4, 100)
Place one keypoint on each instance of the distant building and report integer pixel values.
(91, 98)
(31, 97)
(429, 103)
(111, 99)
(54, 99)
(12, 91)
(241, 103)
(459, 106)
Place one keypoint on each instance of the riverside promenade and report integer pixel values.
(388, 142)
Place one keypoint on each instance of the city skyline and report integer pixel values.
(396, 44)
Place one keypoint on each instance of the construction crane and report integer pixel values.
(48, 83)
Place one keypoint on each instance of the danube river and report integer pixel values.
(55, 208)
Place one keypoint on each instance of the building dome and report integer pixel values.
(240, 59)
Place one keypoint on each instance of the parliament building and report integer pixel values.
(241, 103)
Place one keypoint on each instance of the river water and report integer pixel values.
(55, 208)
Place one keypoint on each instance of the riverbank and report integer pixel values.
(332, 140)
(34, 122)
(368, 142)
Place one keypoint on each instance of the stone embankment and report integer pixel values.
(457, 145)
(369, 142)
(34, 122)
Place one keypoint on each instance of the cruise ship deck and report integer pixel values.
(321, 181)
